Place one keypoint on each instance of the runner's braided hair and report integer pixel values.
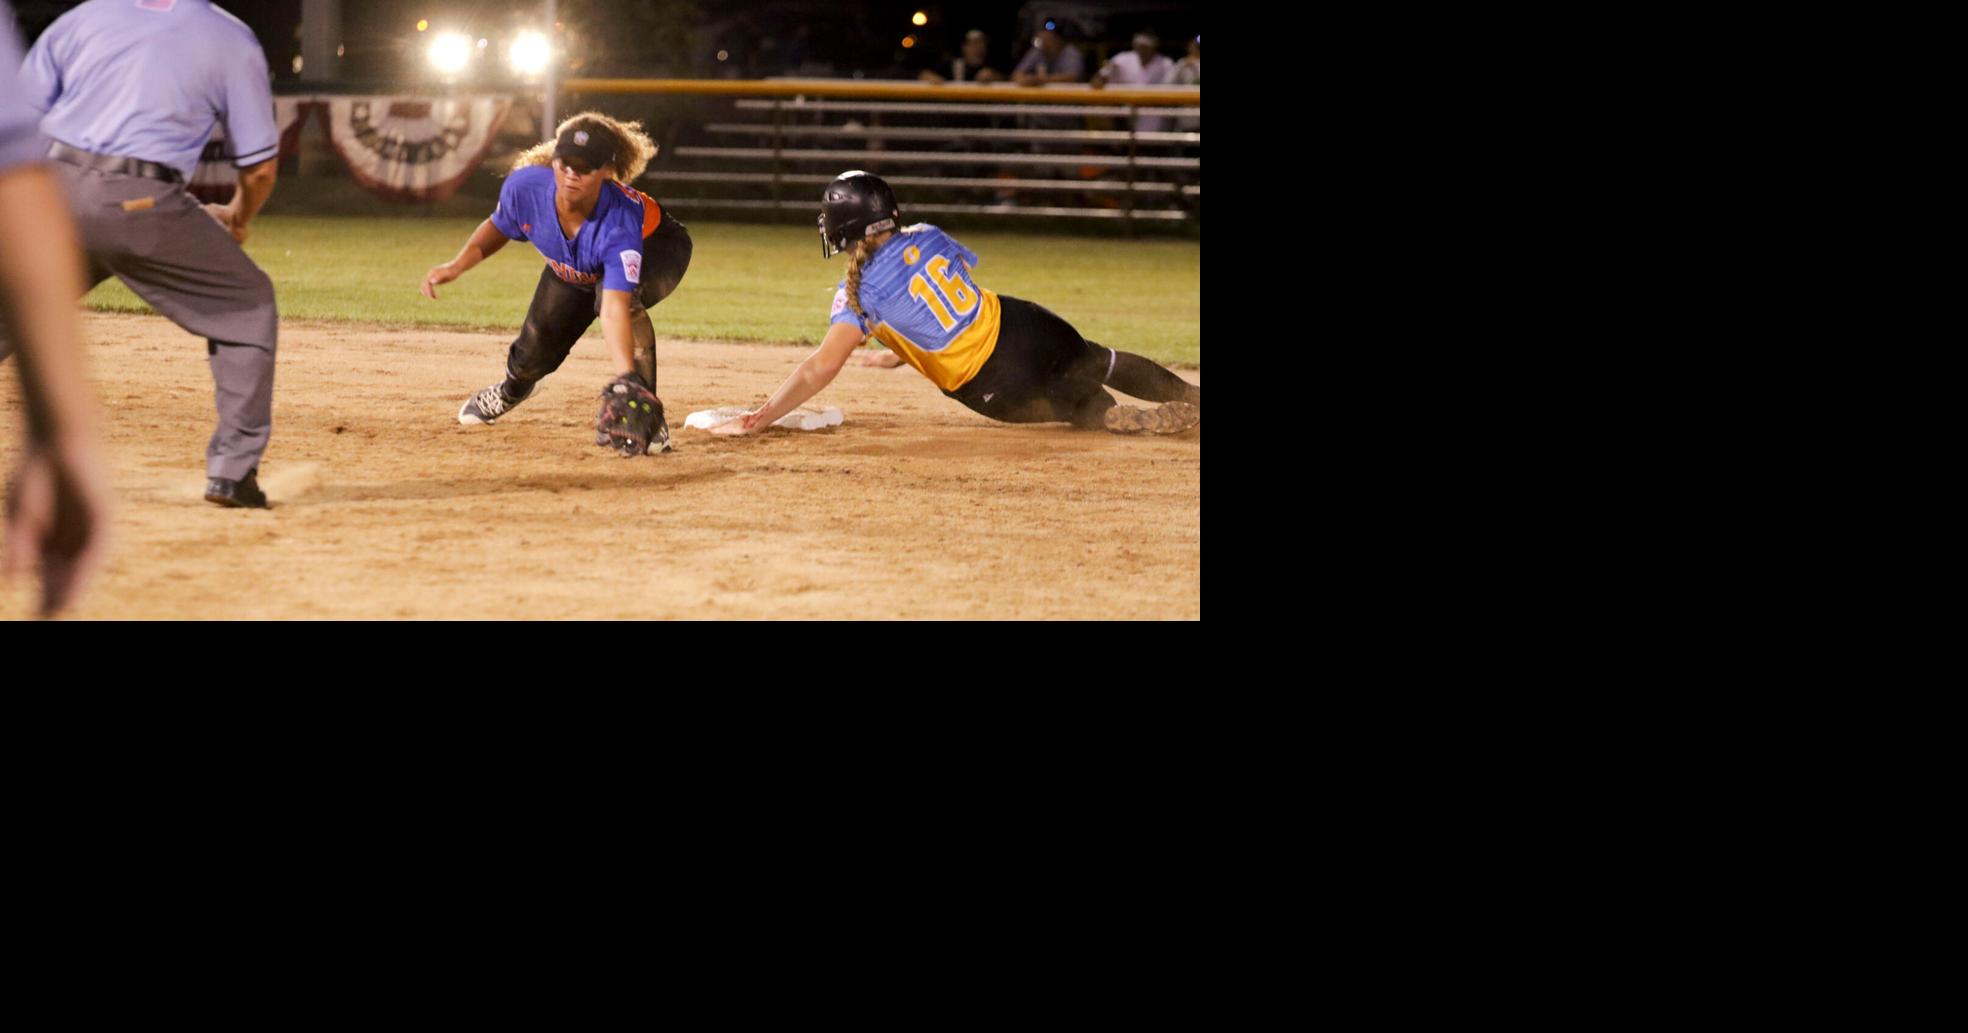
(864, 249)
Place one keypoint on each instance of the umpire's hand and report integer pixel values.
(228, 216)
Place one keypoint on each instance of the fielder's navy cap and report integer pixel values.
(591, 146)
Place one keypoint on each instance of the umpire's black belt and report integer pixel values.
(110, 163)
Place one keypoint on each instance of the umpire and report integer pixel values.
(131, 90)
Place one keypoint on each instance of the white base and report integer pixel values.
(801, 418)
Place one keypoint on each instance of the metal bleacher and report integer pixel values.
(1056, 152)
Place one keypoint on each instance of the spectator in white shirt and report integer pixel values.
(1141, 66)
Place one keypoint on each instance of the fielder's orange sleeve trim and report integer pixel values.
(652, 213)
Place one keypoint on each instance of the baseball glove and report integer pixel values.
(631, 418)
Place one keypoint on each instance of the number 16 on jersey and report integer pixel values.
(956, 295)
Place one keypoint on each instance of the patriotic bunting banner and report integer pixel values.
(399, 148)
(412, 149)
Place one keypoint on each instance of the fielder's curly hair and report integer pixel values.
(631, 158)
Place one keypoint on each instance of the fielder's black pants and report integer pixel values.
(561, 312)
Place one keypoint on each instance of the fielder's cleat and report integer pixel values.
(1168, 418)
(486, 406)
(243, 493)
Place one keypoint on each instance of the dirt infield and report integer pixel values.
(385, 507)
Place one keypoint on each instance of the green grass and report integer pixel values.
(746, 282)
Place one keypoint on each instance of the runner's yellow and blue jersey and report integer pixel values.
(920, 301)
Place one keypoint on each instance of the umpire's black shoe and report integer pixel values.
(244, 493)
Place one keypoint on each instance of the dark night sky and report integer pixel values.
(679, 38)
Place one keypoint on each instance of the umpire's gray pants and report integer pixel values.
(158, 240)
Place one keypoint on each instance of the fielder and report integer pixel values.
(130, 91)
(611, 251)
(1008, 359)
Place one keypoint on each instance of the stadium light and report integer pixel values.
(529, 53)
(920, 18)
(450, 52)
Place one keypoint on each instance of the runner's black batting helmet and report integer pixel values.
(855, 205)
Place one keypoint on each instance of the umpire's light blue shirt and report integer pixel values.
(19, 143)
(149, 78)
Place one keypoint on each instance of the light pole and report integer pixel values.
(548, 120)
(321, 33)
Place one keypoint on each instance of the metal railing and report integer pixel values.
(1000, 150)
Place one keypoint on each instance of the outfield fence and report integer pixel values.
(1132, 155)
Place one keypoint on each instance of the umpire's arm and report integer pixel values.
(255, 186)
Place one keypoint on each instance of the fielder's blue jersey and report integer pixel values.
(149, 79)
(607, 249)
(920, 301)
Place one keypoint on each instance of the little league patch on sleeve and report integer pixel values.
(632, 265)
(840, 301)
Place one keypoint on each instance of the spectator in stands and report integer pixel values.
(1144, 65)
(968, 66)
(1189, 70)
(1050, 60)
